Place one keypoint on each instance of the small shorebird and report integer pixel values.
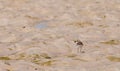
(80, 45)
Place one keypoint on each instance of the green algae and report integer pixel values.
(10, 48)
(36, 56)
(84, 24)
(103, 26)
(20, 56)
(41, 56)
(5, 58)
(36, 61)
(111, 42)
(46, 56)
(81, 24)
(83, 60)
(47, 63)
(113, 58)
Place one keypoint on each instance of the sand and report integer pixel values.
(39, 35)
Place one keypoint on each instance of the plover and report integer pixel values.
(79, 46)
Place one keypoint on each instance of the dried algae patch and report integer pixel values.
(83, 60)
(81, 24)
(47, 63)
(38, 58)
(103, 26)
(5, 58)
(46, 56)
(32, 17)
(113, 58)
(36, 61)
(19, 56)
(111, 42)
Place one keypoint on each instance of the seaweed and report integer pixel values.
(103, 26)
(5, 58)
(37, 58)
(20, 56)
(82, 24)
(10, 48)
(81, 59)
(44, 55)
(48, 57)
(31, 17)
(47, 63)
(8, 70)
(113, 58)
(111, 42)
(36, 61)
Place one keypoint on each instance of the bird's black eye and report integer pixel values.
(75, 41)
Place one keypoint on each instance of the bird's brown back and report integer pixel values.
(79, 43)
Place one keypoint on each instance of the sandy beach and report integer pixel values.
(40, 35)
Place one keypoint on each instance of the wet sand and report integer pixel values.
(40, 35)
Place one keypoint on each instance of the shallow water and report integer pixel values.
(41, 25)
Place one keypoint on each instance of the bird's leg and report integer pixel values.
(80, 50)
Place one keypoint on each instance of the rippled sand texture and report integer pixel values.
(39, 35)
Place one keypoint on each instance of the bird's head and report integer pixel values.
(77, 41)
